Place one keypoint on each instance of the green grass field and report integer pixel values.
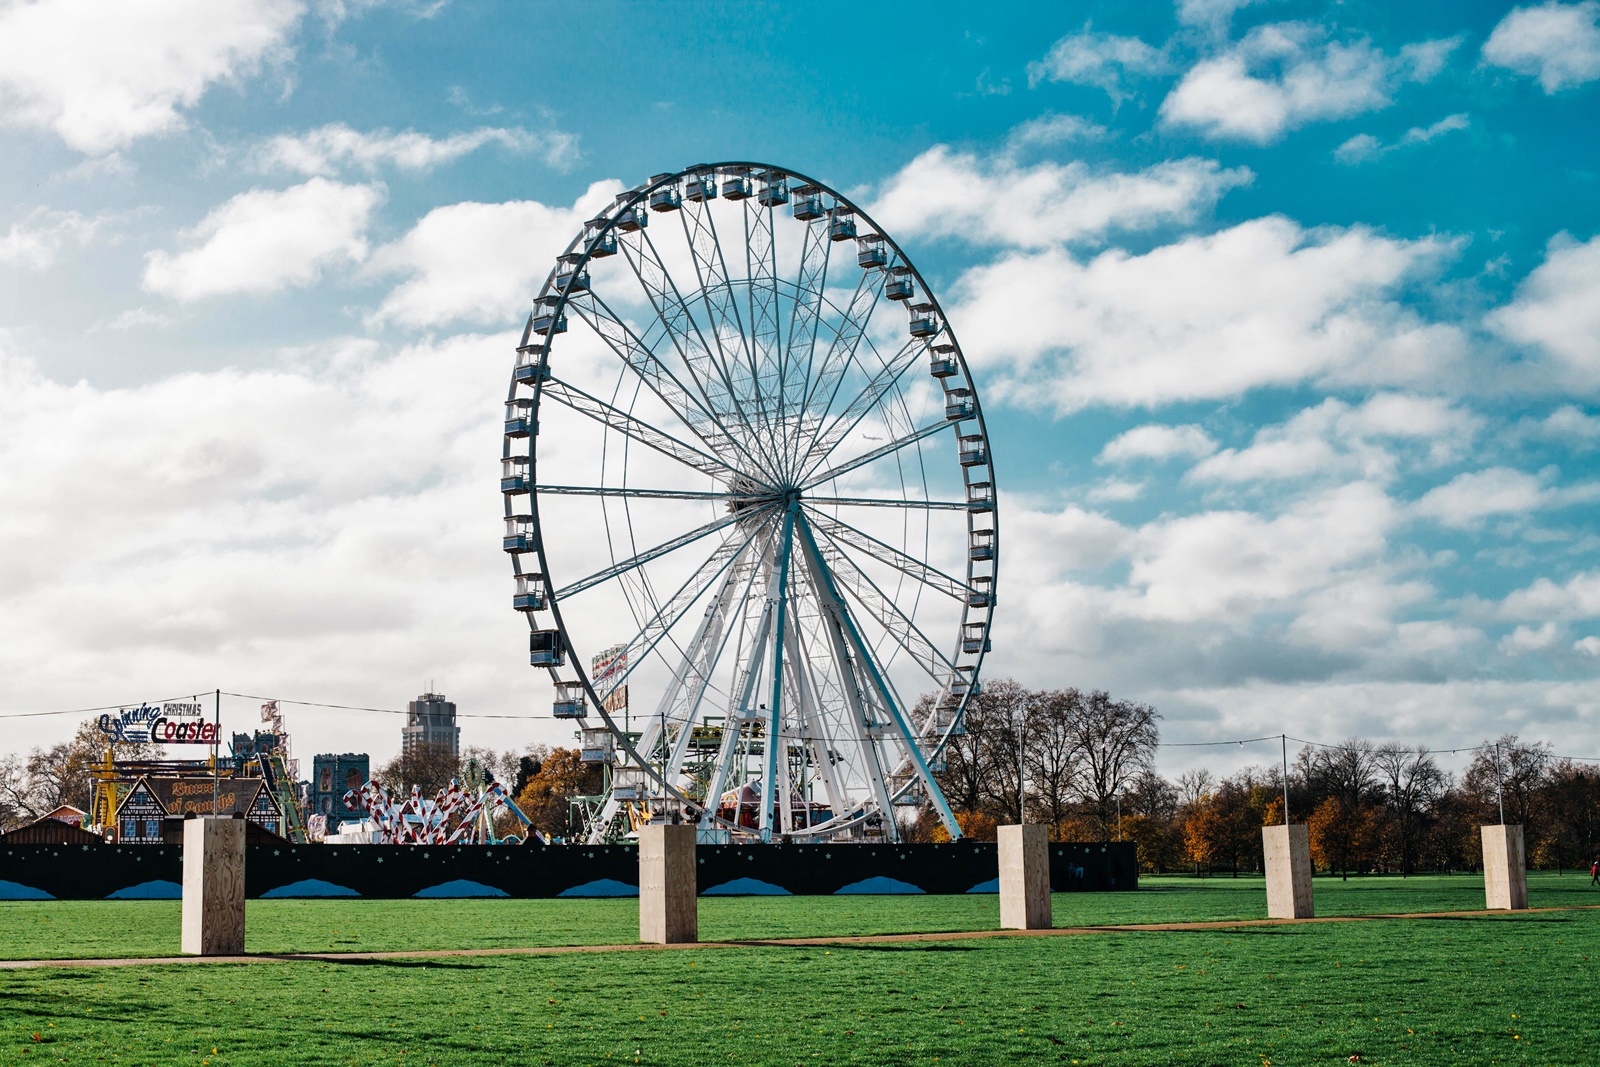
(86, 929)
(1469, 990)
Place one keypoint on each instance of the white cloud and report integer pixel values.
(265, 240)
(1103, 60)
(480, 262)
(1225, 566)
(1526, 639)
(1577, 598)
(1283, 76)
(34, 243)
(1334, 438)
(1364, 147)
(103, 73)
(1115, 491)
(1467, 499)
(1264, 303)
(1154, 441)
(1589, 646)
(327, 150)
(1213, 14)
(1558, 43)
(1051, 128)
(945, 193)
(328, 530)
(1556, 312)
(1567, 424)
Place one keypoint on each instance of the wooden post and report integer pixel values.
(668, 906)
(213, 886)
(1505, 868)
(1024, 877)
(1288, 854)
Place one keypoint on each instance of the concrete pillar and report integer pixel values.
(1505, 868)
(668, 906)
(1024, 877)
(213, 886)
(1288, 853)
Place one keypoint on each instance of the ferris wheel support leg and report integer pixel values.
(813, 725)
(836, 605)
(780, 615)
(852, 688)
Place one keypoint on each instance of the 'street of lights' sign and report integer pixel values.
(172, 723)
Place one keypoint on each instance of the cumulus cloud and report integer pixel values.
(1568, 424)
(1363, 147)
(1557, 43)
(1337, 439)
(1155, 441)
(267, 240)
(331, 528)
(102, 73)
(947, 193)
(1526, 639)
(1103, 60)
(1556, 312)
(1264, 303)
(1588, 646)
(1283, 76)
(328, 150)
(480, 262)
(1051, 128)
(1467, 499)
(1576, 598)
(1227, 565)
(1213, 14)
(34, 243)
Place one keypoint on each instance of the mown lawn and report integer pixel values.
(88, 929)
(1517, 989)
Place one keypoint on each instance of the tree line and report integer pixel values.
(1083, 764)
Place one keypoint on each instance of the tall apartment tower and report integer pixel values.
(431, 720)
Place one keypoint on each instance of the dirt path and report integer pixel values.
(859, 939)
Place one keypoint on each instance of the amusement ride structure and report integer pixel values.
(741, 429)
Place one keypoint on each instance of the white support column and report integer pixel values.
(1288, 853)
(668, 906)
(1505, 868)
(213, 886)
(1024, 877)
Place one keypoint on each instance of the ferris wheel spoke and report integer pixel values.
(709, 375)
(644, 557)
(765, 327)
(615, 418)
(815, 252)
(667, 616)
(883, 610)
(716, 293)
(885, 502)
(846, 339)
(632, 493)
(876, 454)
(886, 377)
(844, 534)
(642, 360)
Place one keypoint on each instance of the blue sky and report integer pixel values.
(1285, 315)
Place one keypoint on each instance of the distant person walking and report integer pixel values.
(1594, 872)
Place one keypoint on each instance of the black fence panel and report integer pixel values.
(282, 869)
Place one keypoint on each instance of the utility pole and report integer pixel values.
(216, 742)
(1284, 739)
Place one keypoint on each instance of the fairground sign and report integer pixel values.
(171, 723)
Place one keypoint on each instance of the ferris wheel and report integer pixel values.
(751, 510)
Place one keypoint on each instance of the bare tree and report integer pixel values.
(1113, 740)
(1510, 766)
(1194, 786)
(1049, 752)
(1412, 781)
(1151, 796)
(429, 767)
